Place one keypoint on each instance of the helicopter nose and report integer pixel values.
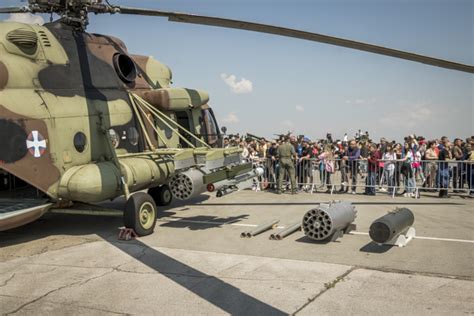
(12, 142)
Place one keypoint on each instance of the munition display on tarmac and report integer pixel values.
(286, 232)
(390, 226)
(260, 229)
(187, 184)
(240, 182)
(329, 220)
(84, 120)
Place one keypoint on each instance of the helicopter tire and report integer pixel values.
(140, 214)
(162, 195)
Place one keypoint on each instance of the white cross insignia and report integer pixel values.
(36, 144)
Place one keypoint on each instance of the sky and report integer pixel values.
(266, 84)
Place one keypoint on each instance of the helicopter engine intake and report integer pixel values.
(175, 99)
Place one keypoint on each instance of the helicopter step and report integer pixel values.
(16, 212)
(20, 203)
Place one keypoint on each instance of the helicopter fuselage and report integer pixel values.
(68, 124)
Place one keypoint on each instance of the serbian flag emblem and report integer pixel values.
(36, 144)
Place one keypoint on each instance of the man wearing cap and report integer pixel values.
(286, 154)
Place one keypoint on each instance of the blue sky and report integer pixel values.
(312, 88)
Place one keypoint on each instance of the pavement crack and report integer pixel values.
(101, 310)
(46, 249)
(67, 266)
(327, 287)
(37, 299)
(81, 282)
(418, 273)
(95, 278)
(5, 283)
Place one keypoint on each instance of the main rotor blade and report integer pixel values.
(282, 31)
(13, 10)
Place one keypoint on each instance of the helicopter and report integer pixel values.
(82, 120)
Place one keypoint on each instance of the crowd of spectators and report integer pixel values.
(397, 168)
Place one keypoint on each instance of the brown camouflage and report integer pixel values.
(41, 173)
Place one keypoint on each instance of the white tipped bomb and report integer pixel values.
(240, 182)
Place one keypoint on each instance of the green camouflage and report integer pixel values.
(286, 153)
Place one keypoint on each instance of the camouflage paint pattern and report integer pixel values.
(57, 84)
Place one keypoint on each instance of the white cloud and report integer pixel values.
(361, 101)
(231, 118)
(240, 87)
(299, 108)
(409, 118)
(27, 18)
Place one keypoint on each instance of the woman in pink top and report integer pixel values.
(327, 158)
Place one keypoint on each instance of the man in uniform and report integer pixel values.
(286, 153)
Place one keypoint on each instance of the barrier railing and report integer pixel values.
(393, 177)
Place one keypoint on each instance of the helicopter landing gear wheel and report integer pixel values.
(162, 195)
(140, 214)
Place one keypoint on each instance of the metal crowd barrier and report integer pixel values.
(389, 177)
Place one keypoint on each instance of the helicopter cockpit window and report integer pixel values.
(168, 132)
(125, 68)
(80, 141)
(211, 129)
(114, 138)
(133, 136)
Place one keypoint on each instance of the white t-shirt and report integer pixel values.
(389, 160)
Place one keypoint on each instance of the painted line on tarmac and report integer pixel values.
(425, 238)
(445, 239)
(281, 227)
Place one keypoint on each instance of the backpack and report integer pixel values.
(329, 166)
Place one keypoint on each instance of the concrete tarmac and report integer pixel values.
(196, 262)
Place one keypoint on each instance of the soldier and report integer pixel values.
(286, 153)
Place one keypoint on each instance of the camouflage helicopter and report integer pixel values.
(82, 120)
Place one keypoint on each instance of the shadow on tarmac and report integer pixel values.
(119, 203)
(308, 240)
(200, 221)
(210, 288)
(214, 290)
(373, 247)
